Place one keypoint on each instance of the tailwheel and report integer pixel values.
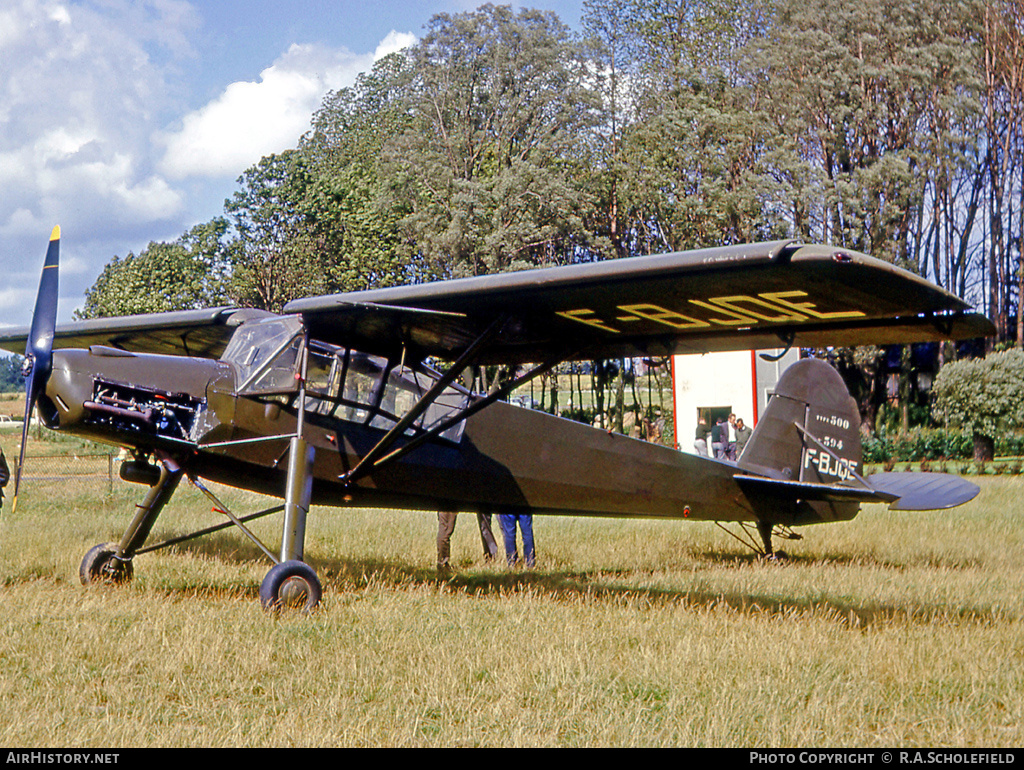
(101, 566)
(290, 584)
(766, 530)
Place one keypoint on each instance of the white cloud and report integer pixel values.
(85, 86)
(82, 88)
(78, 99)
(393, 42)
(252, 119)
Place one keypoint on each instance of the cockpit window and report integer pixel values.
(342, 384)
(265, 354)
(368, 389)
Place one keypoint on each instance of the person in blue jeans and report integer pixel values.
(508, 523)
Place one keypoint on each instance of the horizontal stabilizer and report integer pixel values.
(924, 491)
(806, 490)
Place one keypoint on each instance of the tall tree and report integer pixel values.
(279, 250)
(490, 169)
(688, 139)
(348, 191)
(1003, 67)
(186, 274)
(852, 86)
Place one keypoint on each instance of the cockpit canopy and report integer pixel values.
(341, 383)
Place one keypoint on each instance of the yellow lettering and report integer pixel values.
(662, 316)
(577, 315)
(807, 307)
(739, 318)
(730, 304)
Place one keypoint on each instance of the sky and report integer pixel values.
(128, 121)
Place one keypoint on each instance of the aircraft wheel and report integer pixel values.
(100, 566)
(290, 584)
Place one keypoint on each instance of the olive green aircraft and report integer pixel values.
(335, 402)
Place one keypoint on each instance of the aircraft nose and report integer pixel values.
(67, 389)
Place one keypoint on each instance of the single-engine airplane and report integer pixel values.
(334, 402)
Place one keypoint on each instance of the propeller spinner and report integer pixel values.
(39, 348)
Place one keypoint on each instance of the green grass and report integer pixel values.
(895, 629)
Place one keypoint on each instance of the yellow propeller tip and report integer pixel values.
(55, 234)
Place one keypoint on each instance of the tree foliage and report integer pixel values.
(279, 250)
(349, 193)
(11, 379)
(984, 396)
(188, 273)
(490, 169)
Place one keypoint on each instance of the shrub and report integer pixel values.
(984, 397)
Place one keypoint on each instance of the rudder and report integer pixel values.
(810, 430)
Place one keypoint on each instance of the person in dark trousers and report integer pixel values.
(719, 439)
(743, 434)
(445, 528)
(508, 523)
(5, 475)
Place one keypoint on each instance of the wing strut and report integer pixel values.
(470, 410)
(454, 372)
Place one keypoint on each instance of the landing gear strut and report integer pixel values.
(766, 530)
(291, 583)
(112, 562)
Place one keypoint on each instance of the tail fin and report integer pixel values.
(810, 435)
(810, 431)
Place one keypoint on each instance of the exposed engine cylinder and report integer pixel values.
(131, 408)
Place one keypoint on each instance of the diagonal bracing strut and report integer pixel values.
(465, 360)
(470, 410)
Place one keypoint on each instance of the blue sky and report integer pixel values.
(128, 121)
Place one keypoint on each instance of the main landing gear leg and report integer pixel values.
(292, 582)
(112, 562)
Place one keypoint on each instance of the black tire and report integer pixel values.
(291, 584)
(101, 567)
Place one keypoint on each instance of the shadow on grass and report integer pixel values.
(341, 576)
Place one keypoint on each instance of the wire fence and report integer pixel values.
(100, 468)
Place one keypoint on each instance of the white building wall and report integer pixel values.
(723, 381)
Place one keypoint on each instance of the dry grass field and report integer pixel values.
(891, 630)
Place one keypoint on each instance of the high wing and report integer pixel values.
(202, 333)
(733, 298)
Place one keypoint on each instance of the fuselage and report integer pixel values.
(232, 424)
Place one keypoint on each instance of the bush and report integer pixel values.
(984, 397)
(934, 444)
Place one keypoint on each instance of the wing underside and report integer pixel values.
(202, 333)
(734, 298)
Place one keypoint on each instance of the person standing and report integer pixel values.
(700, 442)
(445, 528)
(742, 436)
(508, 523)
(5, 475)
(719, 439)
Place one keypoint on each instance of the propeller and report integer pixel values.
(39, 348)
